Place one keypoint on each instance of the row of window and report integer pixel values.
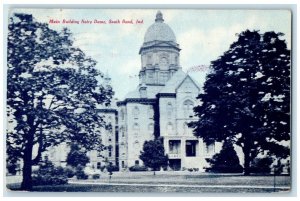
(169, 127)
(187, 107)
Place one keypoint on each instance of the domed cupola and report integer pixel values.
(159, 31)
(159, 53)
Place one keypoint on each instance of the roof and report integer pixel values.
(159, 31)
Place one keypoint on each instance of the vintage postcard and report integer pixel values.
(148, 100)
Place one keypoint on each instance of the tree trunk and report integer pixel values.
(27, 171)
(246, 161)
(27, 165)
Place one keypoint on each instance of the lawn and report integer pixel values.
(141, 189)
(193, 184)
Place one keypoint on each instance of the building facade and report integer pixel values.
(161, 105)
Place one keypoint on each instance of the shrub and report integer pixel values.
(190, 169)
(70, 172)
(261, 165)
(226, 161)
(96, 176)
(11, 168)
(80, 174)
(48, 174)
(77, 157)
(112, 168)
(137, 168)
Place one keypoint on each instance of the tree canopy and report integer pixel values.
(77, 156)
(153, 154)
(247, 96)
(53, 90)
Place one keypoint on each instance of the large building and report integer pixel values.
(161, 105)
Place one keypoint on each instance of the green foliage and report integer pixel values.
(262, 165)
(53, 89)
(80, 174)
(48, 174)
(226, 161)
(247, 96)
(138, 168)
(96, 176)
(77, 157)
(112, 168)
(153, 154)
(70, 172)
(12, 166)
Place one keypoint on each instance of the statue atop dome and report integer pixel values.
(159, 17)
(159, 54)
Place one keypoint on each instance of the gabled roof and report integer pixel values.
(176, 81)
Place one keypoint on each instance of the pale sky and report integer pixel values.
(203, 36)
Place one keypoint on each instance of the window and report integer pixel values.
(136, 145)
(123, 164)
(137, 162)
(169, 109)
(136, 112)
(98, 165)
(150, 112)
(190, 148)
(151, 128)
(149, 59)
(210, 148)
(174, 147)
(109, 151)
(122, 115)
(164, 63)
(136, 127)
(185, 128)
(122, 131)
(169, 128)
(188, 106)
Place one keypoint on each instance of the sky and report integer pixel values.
(203, 35)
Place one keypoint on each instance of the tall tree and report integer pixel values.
(247, 96)
(226, 161)
(53, 89)
(153, 154)
(77, 156)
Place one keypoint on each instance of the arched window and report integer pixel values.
(149, 59)
(122, 115)
(170, 128)
(136, 145)
(136, 112)
(185, 128)
(150, 112)
(169, 109)
(176, 59)
(136, 127)
(150, 127)
(188, 106)
(122, 131)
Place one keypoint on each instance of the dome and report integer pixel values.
(159, 31)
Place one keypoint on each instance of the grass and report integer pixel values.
(235, 180)
(140, 189)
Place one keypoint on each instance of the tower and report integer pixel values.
(159, 54)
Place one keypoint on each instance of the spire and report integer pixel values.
(159, 17)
